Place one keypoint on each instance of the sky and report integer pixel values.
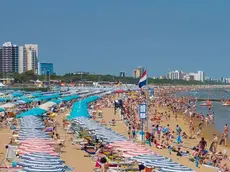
(108, 36)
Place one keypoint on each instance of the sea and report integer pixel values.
(221, 113)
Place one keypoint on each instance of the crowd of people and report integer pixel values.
(161, 135)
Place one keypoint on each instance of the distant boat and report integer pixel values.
(207, 103)
(226, 103)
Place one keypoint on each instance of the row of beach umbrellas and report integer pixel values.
(127, 148)
(37, 147)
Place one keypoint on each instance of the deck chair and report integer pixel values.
(10, 156)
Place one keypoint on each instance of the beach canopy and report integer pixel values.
(26, 100)
(36, 94)
(69, 98)
(17, 94)
(80, 108)
(32, 112)
(47, 97)
(56, 101)
(46, 106)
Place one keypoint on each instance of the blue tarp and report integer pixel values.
(80, 108)
(32, 112)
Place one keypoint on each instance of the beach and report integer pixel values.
(126, 120)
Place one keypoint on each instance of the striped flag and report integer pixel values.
(143, 80)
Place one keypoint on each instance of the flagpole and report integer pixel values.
(146, 101)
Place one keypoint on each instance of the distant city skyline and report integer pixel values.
(21, 58)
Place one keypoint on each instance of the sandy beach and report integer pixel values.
(73, 157)
(81, 161)
(121, 128)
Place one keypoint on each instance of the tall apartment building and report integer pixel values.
(9, 58)
(175, 75)
(28, 58)
(138, 72)
(201, 76)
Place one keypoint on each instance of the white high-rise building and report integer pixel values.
(200, 76)
(28, 58)
(175, 75)
(31, 51)
(21, 60)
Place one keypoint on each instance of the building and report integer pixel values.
(162, 77)
(228, 80)
(45, 68)
(200, 76)
(22, 63)
(122, 74)
(31, 54)
(28, 58)
(175, 75)
(138, 72)
(9, 58)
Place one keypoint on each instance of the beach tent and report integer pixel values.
(32, 112)
(47, 105)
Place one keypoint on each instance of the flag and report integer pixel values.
(143, 80)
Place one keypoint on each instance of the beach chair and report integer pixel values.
(10, 156)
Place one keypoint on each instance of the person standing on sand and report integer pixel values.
(213, 147)
(191, 127)
(225, 134)
(178, 130)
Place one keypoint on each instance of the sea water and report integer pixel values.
(221, 113)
